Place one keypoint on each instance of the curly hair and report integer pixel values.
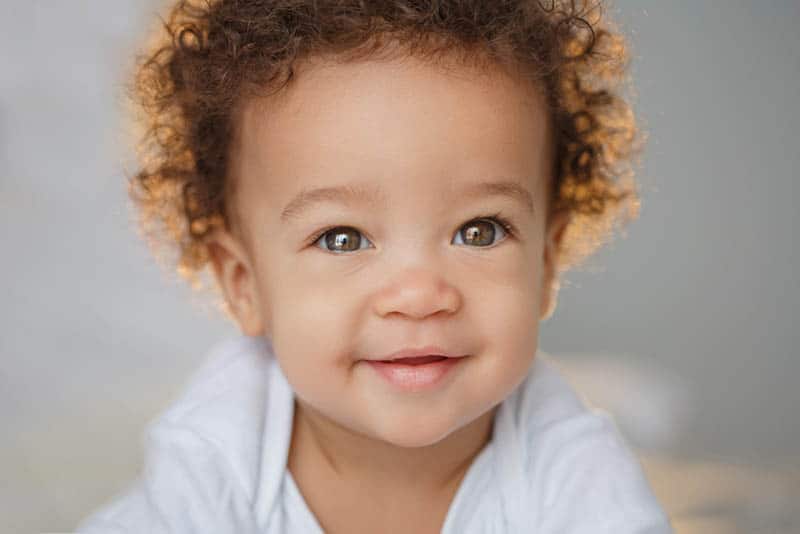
(210, 56)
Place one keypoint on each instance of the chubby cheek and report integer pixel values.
(506, 316)
(313, 327)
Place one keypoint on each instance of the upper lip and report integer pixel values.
(412, 352)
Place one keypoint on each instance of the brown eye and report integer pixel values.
(342, 239)
(480, 233)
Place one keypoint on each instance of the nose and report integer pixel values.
(417, 294)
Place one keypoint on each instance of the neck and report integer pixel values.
(350, 457)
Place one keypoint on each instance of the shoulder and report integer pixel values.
(579, 468)
(202, 454)
(221, 408)
(233, 370)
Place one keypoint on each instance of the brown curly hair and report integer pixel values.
(211, 55)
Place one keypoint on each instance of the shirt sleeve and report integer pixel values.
(185, 487)
(595, 483)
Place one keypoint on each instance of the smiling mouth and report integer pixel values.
(416, 373)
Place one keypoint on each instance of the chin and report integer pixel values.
(414, 441)
(415, 433)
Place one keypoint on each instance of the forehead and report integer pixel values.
(400, 125)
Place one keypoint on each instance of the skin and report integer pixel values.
(420, 135)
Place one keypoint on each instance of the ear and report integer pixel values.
(554, 235)
(237, 281)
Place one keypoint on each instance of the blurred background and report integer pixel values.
(685, 329)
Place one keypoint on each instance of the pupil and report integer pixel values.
(341, 241)
(473, 232)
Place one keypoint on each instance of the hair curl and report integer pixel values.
(211, 55)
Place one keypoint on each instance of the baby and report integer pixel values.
(386, 193)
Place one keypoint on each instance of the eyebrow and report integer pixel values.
(353, 194)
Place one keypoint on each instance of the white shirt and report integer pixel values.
(216, 462)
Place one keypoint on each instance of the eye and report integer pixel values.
(341, 239)
(483, 231)
(480, 232)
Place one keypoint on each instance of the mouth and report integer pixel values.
(416, 373)
(421, 355)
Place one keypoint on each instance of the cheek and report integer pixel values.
(508, 314)
(313, 324)
(504, 294)
(504, 314)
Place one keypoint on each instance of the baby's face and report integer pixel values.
(367, 195)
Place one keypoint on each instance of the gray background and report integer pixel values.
(685, 329)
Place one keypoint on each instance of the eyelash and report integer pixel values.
(503, 222)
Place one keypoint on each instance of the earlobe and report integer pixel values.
(549, 300)
(551, 284)
(236, 280)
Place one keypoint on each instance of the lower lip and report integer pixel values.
(415, 377)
